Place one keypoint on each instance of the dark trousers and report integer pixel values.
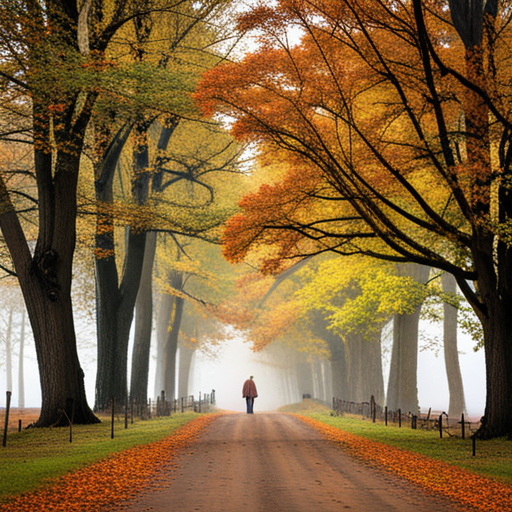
(250, 403)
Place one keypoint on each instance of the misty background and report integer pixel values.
(229, 364)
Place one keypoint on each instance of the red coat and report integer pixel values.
(249, 389)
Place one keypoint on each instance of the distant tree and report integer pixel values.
(402, 390)
(457, 403)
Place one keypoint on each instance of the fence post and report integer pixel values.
(441, 426)
(414, 420)
(386, 415)
(162, 402)
(399, 418)
(7, 408)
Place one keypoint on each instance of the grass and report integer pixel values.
(35, 457)
(493, 458)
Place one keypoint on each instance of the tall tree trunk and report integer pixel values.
(8, 351)
(144, 304)
(186, 355)
(338, 356)
(403, 374)
(364, 365)
(21, 361)
(45, 281)
(372, 372)
(339, 370)
(304, 378)
(497, 326)
(143, 326)
(115, 310)
(162, 328)
(171, 348)
(457, 404)
(116, 300)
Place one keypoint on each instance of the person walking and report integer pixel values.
(249, 392)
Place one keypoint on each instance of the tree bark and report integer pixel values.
(186, 355)
(162, 327)
(364, 364)
(21, 361)
(115, 310)
(45, 281)
(403, 374)
(143, 326)
(457, 404)
(8, 351)
(116, 301)
(171, 348)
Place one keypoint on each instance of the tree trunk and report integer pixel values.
(457, 403)
(162, 329)
(21, 361)
(115, 310)
(45, 280)
(371, 368)
(403, 379)
(116, 302)
(8, 352)
(337, 348)
(304, 379)
(171, 348)
(497, 325)
(186, 355)
(339, 370)
(143, 325)
(144, 304)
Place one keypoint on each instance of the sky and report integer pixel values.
(235, 362)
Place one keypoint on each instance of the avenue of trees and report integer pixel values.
(394, 121)
(379, 139)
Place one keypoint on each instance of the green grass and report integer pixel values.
(35, 456)
(493, 458)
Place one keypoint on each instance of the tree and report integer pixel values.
(55, 61)
(457, 404)
(171, 50)
(388, 104)
(403, 383)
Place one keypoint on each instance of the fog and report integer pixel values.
(235, 362)
(226, 374)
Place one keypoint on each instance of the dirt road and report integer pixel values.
(272, 462)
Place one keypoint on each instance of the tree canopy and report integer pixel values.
(403, 109)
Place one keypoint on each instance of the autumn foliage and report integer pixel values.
(460, 486)
(105, 484)
(403, 111)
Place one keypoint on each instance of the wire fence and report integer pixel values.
(20, 418)
(431, 420)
